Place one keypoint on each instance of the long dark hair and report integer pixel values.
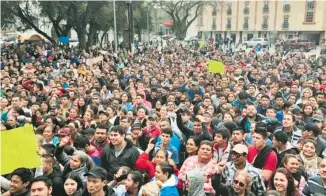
(291, 190)
(137, 177)
(75, 177)
(166, 168)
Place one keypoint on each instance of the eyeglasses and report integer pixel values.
(241, 184)
(236, 155)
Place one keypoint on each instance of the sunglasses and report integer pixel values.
(241, 184)
(236, 155)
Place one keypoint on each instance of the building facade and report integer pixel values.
(242, 20)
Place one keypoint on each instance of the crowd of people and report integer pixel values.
(157, 122)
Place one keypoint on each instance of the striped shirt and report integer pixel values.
(293, 136)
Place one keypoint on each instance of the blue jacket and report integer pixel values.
(172, 151)
(169, 187)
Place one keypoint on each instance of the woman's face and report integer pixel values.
(141, 113)
(124, 98)
(81, 102)
(239, 184)
(308, 110)
(292, 165)
(70, 186)
(291, 99)
(48, 121)
(159, 174)
(191, 147)
(280, 182)
(227, 118)
(48, 134)
(129, 183)
(163, 112)
(75, 162)
(205, 152)
(158, 105)
(231, 98)
(211, 109)
(87, 116)
(309, 149)
(159, 157)
(130, 114)
(73, 113)
(110, 111)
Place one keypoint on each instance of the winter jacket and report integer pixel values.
(245, 124)
(64, 160)
(314, 186)
(169, 188)
(112, 163)
(57, 183)
(222, 189)
(108, 191)
(290, 149)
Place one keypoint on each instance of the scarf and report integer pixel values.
(309, 164)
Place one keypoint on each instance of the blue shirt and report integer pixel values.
(175, 141)
(172, 151)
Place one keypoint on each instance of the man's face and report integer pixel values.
(166, 138)
(258, 140)
(124, 124)
(279, 101)
(251, 90)
(218, 139)
(238, 158)
(251, 111)
(322, 169)
(185, 117)
(294, 89)
(40, 189)
(100, 135)
(270, 113)
(320, 98)
(64, 100)
(264, 102)
(15, 102)
(237, 136)
(287, 121)
(116, 139)
(207, 102)
(95, 185)
(139, 100)
(197, 127)
(103, 117)
(17, 185)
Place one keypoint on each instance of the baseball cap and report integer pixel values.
(318, 118)
(240, 148)
(56, 106)
(96, 95)
(311, 127)
(97, 172)
(296, 110)
(64, 132)
(185, 111)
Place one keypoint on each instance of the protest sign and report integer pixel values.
(216, 67)
(19, 149)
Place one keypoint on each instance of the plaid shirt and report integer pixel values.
(209, 169)
(258, 186)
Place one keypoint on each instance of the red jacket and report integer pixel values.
(144, 164)
(154, 133)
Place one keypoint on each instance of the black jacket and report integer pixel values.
(222, 189)
(57, 183)
(112, 163)
(108, 191)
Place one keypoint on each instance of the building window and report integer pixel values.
(266, 7)
(200, 11)
(200, 21)
(286, 22)
(214, 12)
(246, 23)
(228, 24)
(214, 24)
(310, 11)
(229, 10)
(265, 23)
(286, 7)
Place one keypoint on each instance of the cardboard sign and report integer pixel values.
(19, 149)
(216, 67)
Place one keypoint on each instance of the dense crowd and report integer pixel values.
(157, 122)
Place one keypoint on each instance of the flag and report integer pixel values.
(19, 149)
(216, 67)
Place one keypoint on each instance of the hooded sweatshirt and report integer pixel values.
(169, 187)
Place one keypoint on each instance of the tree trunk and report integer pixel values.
(139, 35)
(181, 31)
(82, 38)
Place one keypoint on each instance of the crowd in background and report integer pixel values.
(157, 122)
